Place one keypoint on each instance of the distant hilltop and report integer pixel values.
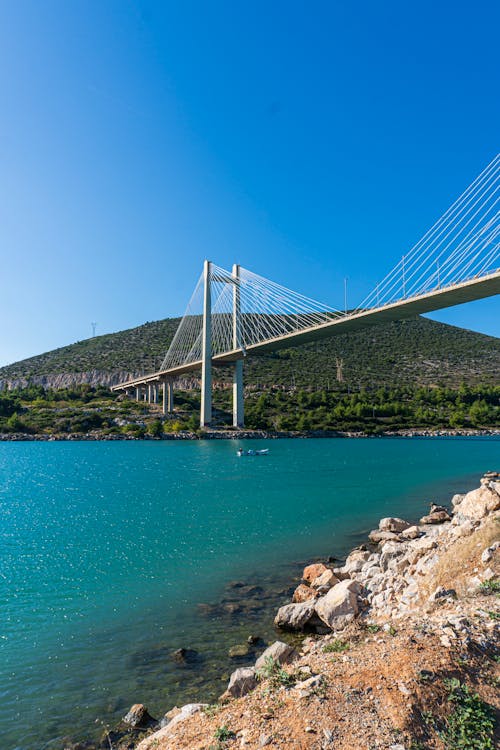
(410, 352)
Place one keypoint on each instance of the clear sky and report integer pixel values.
(307, 141)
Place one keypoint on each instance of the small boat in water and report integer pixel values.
(261, 452)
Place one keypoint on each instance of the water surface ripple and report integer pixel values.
(107, 549)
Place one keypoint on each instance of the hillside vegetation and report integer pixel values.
(414, 374)
(405, 353)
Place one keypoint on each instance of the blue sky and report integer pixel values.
(308, 142)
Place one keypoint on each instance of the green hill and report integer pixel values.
(404, 353)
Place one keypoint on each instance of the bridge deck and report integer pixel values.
(466, 291)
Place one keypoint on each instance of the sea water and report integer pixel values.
(115, 554)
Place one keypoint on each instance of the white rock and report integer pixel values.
(480, 502)
(389, 551)
(464, 528)
(488, 553)
(355, 561)
(324, 581)
(379, 537)
(412, 532)
(396, 525)
(340, 605)
(418, 547)
(281, 653)
(425, 564)
(185, 713)
(295, 616)
(242, 681)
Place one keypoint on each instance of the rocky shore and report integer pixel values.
(228, 434)
(397, 649)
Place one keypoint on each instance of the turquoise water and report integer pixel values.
(106, 549)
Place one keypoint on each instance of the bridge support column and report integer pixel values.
(168, 396)
(155, 393)
(238, 402)
(206, 352)
(137, 394)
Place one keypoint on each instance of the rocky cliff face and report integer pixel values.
(90, 377)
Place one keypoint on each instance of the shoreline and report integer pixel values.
(389, 603)
(248, 435)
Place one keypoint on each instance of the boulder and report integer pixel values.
(294, 616)
(480, 502)
(239, 651)
(184, 655)
(396, 525)
(412, 532)
(303, 593)
(313, 571)
(184, 713)
(442, 593)
(461, 527)
(390, 550)
(281, 653)
(339, 606)
(437, 516)
(138, 716)
(376, 536)
(355, 561)
(325, 581)
(488, 553)
(241, 682)
(418, 547)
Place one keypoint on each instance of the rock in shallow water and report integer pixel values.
(239, 651)
(396, 525)
(294, 616)
(138, 716)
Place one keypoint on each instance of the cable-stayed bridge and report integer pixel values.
(232, 314)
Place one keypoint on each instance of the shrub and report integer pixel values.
(470, 726)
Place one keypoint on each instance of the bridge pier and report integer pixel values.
(206, 351)
(238, 401)
(168, 396)
(137, 394)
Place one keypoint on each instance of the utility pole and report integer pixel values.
(340, 369)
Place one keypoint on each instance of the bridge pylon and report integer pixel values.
(238, 401)
(206, 350)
